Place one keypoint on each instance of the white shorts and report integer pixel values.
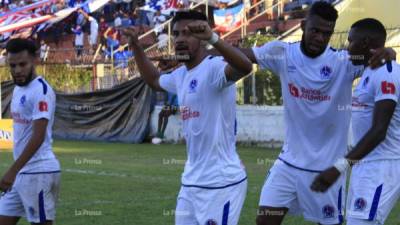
(199, 206)
(374, 190)
(289, 187)
(33, 196)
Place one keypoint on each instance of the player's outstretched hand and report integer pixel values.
(132, 33)
(200, 30)
(325, 180)
(7, 180)
(380, 56)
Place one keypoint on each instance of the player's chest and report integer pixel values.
(21, 106)
(193, 90)
(363, 93)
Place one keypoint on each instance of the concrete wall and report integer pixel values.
(257, 125)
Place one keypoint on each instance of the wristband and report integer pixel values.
(342, 165)
(214, 38)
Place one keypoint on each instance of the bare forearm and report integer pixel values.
(366, 145)
(31, 148)
(148, 71)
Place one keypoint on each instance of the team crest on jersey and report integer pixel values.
(211, 222)
(192, 86)
(328, 211)
(326, 72)
(360, 204)
(22, 100)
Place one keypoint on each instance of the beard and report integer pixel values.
(27, 80)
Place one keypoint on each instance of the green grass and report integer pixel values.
(123, 184)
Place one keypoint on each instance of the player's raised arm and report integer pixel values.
(247, 51)
(238, 63)
(148, 71)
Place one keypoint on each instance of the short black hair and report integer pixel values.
(324, 10)
(373, 27)
(188, 15)
(18, 45)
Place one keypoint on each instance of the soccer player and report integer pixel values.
(316, 82)
(214, 181)
(375, 180)
(169, 108)
(30, 186)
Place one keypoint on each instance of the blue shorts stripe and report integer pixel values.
(375, 203)
(340, 205)
(42, 213)
(226, 214)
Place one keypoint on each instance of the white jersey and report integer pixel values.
(32, 102)
(208, 110)
(317, 102)
(376, 85)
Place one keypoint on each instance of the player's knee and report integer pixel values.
(354, 221)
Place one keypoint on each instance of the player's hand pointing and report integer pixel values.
(325, 180)
(200, 30)
(7, 180)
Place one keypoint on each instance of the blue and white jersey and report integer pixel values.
(208, 108)
(35, 101)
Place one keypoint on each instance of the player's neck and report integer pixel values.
(197, 60)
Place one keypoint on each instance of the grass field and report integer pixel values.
(122, 184)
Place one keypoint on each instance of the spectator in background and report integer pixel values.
(43, 49)
(117, 19)
(127, 6)
(79, 35)
(112, 41)
(94, 30)
(159, 19)
(170, 108)
(162, 39)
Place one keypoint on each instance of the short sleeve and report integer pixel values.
(168, 83)
(271, 56)
(217, 74)
(43, 102)
(386, 86)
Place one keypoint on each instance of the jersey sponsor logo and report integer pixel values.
(294, 90)
(187, 113)
(308, 93)
(211, 222)
(43, 107)
(22, 100)
(388, 88)
(360, 204)
(17, 118)
(193, 85)
(326, 72)
(328, 211)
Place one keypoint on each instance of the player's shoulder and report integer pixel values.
(389, 71)
(337, 54)
(41, 86)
